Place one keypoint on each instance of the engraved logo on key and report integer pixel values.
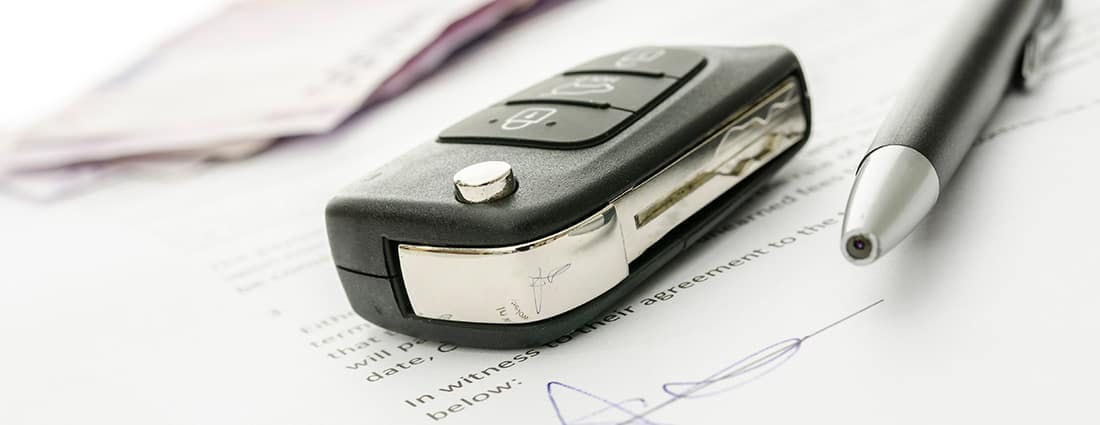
(589, 84)
(639, 57)
(527, 118)
(540, 281)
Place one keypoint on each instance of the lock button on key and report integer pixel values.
(540, 125)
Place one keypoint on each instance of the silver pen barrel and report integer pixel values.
(935, 122)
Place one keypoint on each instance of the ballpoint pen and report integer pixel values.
(994, 45)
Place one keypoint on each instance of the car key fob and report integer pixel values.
(535, 215)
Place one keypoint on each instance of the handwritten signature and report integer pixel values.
(540, 281)
(597, 409)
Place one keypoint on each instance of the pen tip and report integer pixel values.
(860, 248)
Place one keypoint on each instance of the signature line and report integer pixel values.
(740, 373)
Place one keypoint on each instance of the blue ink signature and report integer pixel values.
(636, 410)
(539, 281)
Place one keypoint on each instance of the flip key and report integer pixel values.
(537, 214)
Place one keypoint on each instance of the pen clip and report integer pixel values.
(1039, 44)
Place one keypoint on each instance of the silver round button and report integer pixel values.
(484, 182)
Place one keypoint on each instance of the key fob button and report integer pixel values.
(653, 61)
(542, 125)
(623, 91)
(483, 182)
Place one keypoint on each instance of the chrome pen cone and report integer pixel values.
(894, 189)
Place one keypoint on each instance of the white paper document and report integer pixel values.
(258, 71)
(214, 299)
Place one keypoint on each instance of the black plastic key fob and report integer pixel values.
(539, 213)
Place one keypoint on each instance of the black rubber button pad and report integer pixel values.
(652, 61)
(623, 91)
(545, 125)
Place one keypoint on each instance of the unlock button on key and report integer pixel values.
(622, 91)
(541, 125)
